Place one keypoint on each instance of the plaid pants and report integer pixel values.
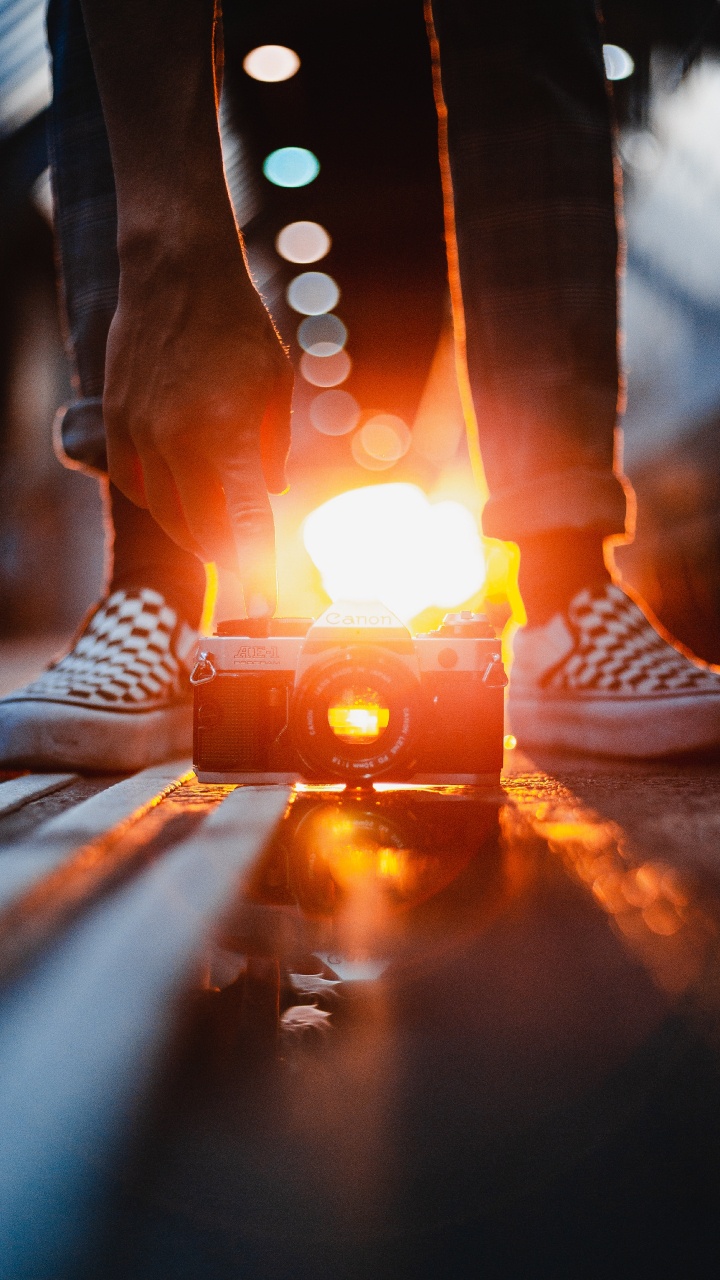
(85, 227)
(529, 145)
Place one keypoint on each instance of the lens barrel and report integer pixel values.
(361, 667)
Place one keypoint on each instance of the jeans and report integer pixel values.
(529, 144)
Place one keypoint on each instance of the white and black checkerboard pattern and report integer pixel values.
(123, 660)
(618, 651)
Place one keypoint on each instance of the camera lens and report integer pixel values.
(355, 716)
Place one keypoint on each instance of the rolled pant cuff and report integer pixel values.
(579, 498)
(79, 435)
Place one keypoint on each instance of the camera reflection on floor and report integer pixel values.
(443, 1031)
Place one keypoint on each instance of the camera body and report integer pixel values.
(352, 698)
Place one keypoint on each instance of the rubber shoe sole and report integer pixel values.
(44, 735)
(635, 728)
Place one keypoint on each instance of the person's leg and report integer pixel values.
(120, 699)
(86, 235)
(533, 195)
(529, 145)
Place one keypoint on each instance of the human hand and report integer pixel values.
(197, 405)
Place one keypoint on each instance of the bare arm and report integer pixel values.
(197, 388)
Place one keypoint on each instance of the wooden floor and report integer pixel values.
(418, 1033)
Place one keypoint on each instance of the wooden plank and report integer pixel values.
(15, 792)
(57, 839)
(82, 1032)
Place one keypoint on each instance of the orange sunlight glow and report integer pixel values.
(356, 856)
(358, 717)
(651, 904)
(389, 542)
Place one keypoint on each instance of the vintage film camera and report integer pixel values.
(350, 698)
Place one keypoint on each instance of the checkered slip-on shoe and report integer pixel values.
(602, 679)
(118, 701)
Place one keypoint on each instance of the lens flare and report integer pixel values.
(312, 293)
(303, 242)
(358, 717)
(366, 460)
(618, 63)
(325, 371)
(334, 413)
(389, 542)
(322, 335)
(291, 167)
(385, 437)
(271, 63)
(640, 150)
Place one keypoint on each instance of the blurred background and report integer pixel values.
(330, 140)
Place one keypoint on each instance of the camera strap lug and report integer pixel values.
(494, 674)
(203, 671)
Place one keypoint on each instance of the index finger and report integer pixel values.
(251, 520)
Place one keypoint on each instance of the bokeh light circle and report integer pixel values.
(334, 413)
(323, 335)
(271, 63)
(325, 371)
(303, 242)
(385, 437)
(640, 150)
(313, 293)
(291, 167)
(618, 63)
(365, 459)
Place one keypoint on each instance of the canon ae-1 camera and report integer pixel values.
(352, 697)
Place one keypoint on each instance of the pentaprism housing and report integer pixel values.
(352, 698)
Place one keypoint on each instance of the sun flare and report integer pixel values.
(389, 542)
